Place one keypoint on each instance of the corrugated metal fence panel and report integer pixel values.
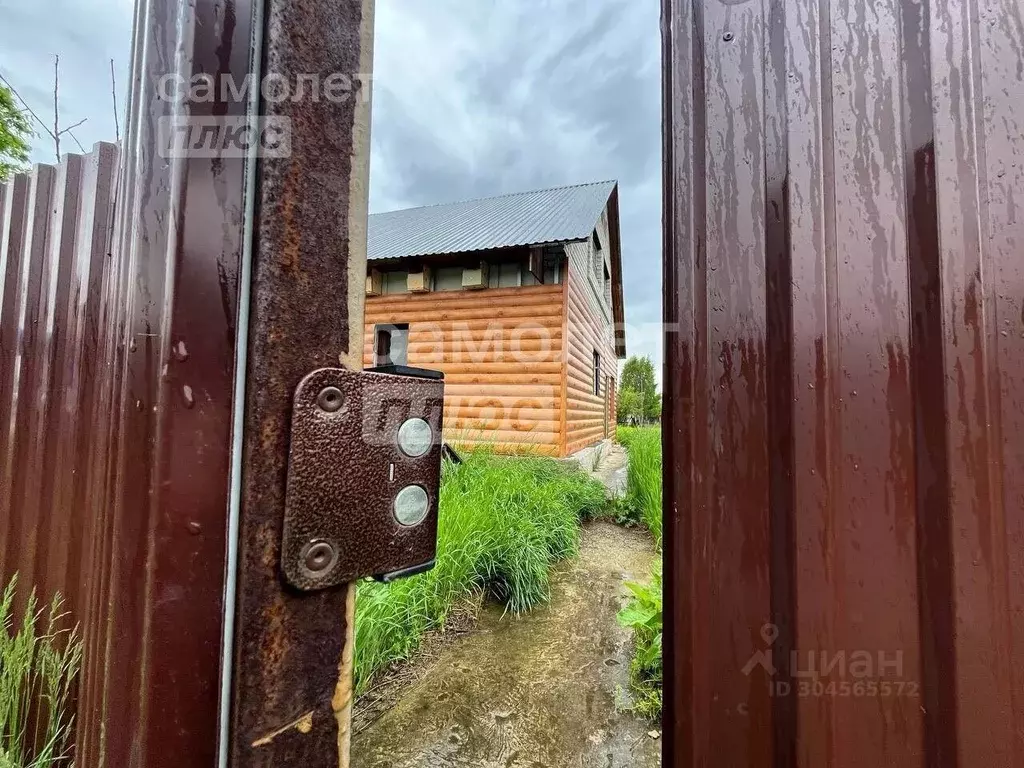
(116, 389)
(844, 381)
(55, 397)
(119, 342)
(55, 228)
(178, 243)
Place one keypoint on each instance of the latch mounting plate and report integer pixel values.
(347, 472)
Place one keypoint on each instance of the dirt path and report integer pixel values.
(537, 691)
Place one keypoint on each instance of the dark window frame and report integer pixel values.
(598, 256)
(382, 351)
(597, 373)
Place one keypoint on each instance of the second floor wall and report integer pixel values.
(508, 268)
(502, 352)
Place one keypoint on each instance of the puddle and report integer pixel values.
(537, 691)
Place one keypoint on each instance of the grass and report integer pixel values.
(503, 523)
(643, 482)
(39, 662)
(643, 614)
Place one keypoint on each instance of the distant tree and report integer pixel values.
(627, 407)
(653, 410)
(638, 374)
(638, 381)
(15, 132)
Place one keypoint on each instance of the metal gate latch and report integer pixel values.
(364, 473)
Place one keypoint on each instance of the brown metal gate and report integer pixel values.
(844, 430)
(133, 476)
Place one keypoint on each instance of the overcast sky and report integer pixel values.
(471, 98)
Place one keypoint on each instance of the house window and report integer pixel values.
(552, 273)
(391, 344)
(597, 373)
(395, 282)
(508, 274)
(607, 286)
(598, 256)
(448, 279)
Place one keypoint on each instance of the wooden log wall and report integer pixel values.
(589, 417)
(501, 350)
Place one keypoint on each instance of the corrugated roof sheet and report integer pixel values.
(524, 218)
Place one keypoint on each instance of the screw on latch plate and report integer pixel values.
(318, 558)
(329, 400)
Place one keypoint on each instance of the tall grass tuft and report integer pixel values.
(643, 480)
(503, 523)
(643, 614)
(37, 674)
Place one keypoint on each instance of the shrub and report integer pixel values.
(643, 615)
(643, 480)
(503, 522)
(37, 673)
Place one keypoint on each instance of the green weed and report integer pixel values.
(37, 674)
(643, 480)
(503, 523)
(643, 615)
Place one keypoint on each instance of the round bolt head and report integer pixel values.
(318, 558)
(411, 506)
(330, 399)
(415, 437)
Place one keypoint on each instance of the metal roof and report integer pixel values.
(554, 215)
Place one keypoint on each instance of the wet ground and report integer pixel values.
(537, 691)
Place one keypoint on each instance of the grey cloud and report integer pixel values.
(480, 98)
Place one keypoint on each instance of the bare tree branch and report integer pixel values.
(28, 109)
(56, 119)
(113, 95)
(49, 131)
(68, 129)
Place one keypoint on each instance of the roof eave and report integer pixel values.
(496, 249)
(618, 302)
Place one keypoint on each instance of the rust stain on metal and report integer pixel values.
(844, 365)
(291, 241)
(303, 310)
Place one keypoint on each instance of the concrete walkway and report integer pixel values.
(606, 461)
